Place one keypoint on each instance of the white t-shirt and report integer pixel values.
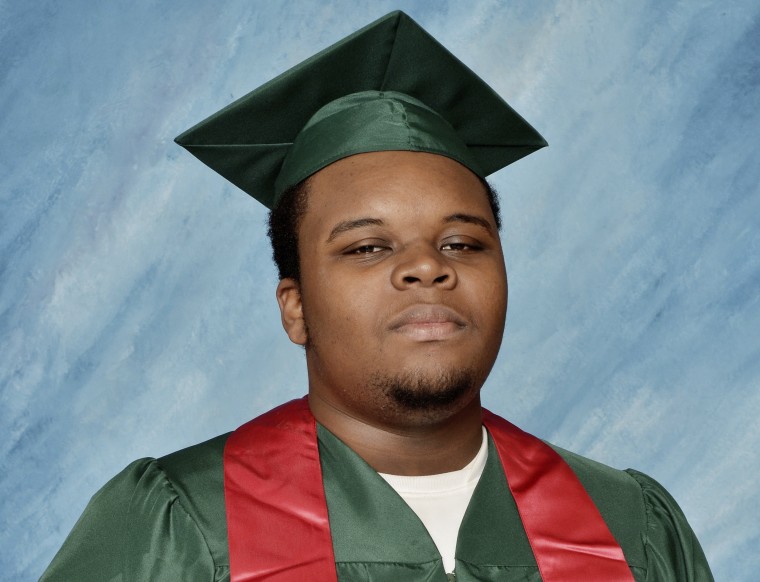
(440, 501)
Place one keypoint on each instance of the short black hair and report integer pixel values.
(285, 220)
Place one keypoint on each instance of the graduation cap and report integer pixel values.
(388, 86)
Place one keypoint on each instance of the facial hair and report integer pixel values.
(419, 391)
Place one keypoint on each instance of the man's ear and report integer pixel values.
(291, 310)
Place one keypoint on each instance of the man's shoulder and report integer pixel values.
(598, 474)
(617, 495)
(198, 459)
(605, 484)
(637, 508)
(196, 472)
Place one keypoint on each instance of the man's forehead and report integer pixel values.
(374, 174)
(385, 188)
(345, 226)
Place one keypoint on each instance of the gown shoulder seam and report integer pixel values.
(178, 500)
(648, 518)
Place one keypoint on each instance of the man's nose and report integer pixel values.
(423, 266)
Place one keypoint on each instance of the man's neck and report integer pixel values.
(426, 449)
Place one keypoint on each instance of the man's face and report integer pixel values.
(403, 289)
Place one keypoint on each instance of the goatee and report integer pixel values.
(420, 391)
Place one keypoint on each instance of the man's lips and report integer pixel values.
(428, 322)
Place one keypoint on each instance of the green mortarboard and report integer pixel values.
(388, 86)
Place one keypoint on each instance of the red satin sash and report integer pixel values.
(567, 534)
(278, 526)
(277, 523)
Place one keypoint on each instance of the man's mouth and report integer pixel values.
(428, 323)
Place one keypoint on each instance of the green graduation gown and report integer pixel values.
(164, 520)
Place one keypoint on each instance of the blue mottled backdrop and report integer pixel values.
(137, 310)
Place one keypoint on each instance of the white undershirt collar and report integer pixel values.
(440, 501)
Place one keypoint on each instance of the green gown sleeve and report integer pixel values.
(672, 550)
(135, 529)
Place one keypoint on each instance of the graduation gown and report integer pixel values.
(164, 519)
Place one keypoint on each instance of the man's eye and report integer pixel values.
(460, 246)
(366, 250)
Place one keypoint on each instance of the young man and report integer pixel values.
(372, 156)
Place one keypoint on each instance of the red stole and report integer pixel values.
(278, 527)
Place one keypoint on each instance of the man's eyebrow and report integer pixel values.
(470, 219)
(347, 225)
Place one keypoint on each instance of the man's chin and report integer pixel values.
(422, 391)
(428, 399)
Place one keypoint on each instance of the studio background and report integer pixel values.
(137, 309)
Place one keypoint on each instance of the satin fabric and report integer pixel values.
(248, 140)
(277, 520)
(370, 121)
(164, 520)
(275, 499)
(567, 533)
